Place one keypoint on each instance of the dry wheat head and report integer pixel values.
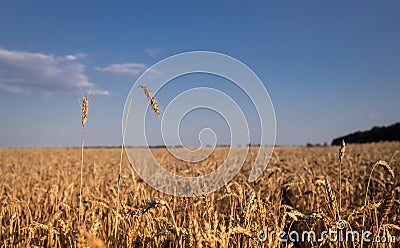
(151, 99)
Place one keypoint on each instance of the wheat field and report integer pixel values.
(299, 190)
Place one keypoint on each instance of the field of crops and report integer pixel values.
(299, 191)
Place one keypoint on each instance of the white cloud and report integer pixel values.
(75, 56)
(124, 69)
(36, 73)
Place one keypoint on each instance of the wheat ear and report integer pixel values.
(388, 202)
(151, 99)
(331, 197)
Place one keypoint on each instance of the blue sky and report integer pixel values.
(330, 67)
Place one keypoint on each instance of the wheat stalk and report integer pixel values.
(385, 165)
(154, 105)
(341, 156)
(84, 114)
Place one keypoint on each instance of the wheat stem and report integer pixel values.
(390, 170)
(80, 189)
(341, 156)
(120, 164)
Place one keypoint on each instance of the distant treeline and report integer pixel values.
(376, 134)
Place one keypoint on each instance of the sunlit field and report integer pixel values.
(299, 191)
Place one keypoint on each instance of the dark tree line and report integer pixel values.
(376, 134)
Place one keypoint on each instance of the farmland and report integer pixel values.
(298, 191)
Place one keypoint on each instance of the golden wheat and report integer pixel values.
(39, 203)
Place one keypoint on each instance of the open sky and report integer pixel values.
(330, 67)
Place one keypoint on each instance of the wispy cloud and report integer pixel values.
(152, 51)
(37, 73)
(124, 69)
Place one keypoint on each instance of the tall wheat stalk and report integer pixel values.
(84, 113)
(341, 156)
(154, 106)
